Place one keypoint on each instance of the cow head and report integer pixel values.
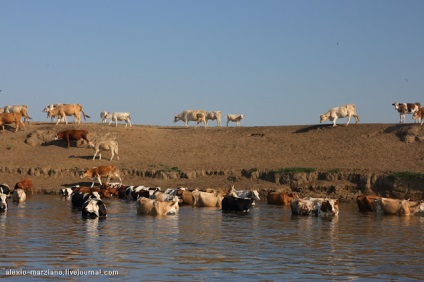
(255, 195)
(396, 105)
(94, 208)
(322, 118)
(329, 207)
(177, 118)
(3, 202)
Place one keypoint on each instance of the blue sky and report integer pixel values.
(276, 62)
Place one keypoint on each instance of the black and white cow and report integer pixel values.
(94, 208)
(5, 189)
(231, 203)
(78, 199)
(66, 192)
(3, 202)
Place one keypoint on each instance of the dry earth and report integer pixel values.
(212, 157)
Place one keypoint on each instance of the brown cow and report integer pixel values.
(280, 198)
(25, 185)
(367, 203)
(9, 118)
(96, 173)
(72, 134)
(406, 108)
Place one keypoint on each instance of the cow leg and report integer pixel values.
(129, 121)
(95, 153)
(348, 120)
(356, 118)
(111, 152)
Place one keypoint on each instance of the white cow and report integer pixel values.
(100, 146)
(121, 116)
(104, 116)
(22, 109)
(215, 115)
(190, 115)
(234, 118)
(333, 114)
(406, 108)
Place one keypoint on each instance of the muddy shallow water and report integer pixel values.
(45, 238)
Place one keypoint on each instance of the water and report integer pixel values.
(44, 238)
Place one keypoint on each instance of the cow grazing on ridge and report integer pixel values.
(406, 108)
(214, 115)
(22, 109)
(9, 118)
(119, 116)
(63, 110)
(72, 134)
(104, 116)
(333, 114)
(189, 115)
(234, 118)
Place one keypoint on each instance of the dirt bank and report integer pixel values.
(310, 159)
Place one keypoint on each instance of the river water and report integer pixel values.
(44, 238)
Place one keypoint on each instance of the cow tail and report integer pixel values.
(84, 115)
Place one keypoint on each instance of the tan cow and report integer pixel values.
(63, 110)
(154, 207)
(234, 118)
(214, 115)
(201, 117)
(400, 207)
(189, 115)
(95, 173)
(210, 199)
(100, 146)
(9, 118)
(22, 109)
(333, 114)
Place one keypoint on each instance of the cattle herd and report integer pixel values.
(13, 114)
(153, 201)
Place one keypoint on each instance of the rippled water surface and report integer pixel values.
(45, 234)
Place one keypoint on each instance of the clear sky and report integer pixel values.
(277, 62)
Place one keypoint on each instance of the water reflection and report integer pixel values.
(207, 244)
